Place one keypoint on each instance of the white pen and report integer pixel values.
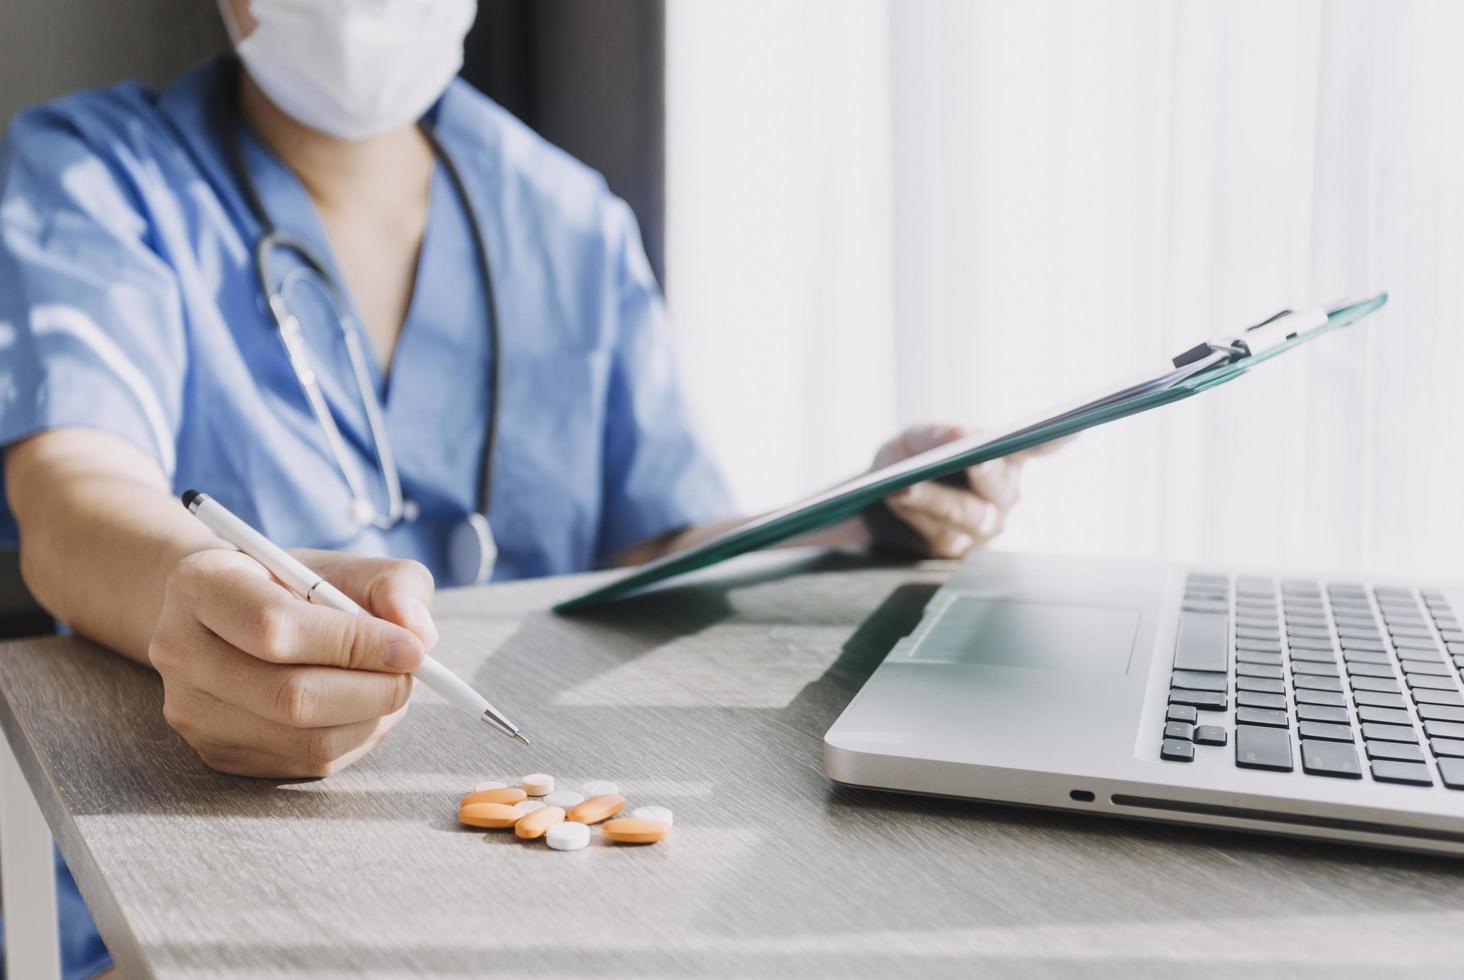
(311, 587)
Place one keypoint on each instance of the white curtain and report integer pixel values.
(883, 212)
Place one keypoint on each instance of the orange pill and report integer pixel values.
(596, 809)
(636, 830)
(494, 816)
(503, 794)
(534, 825)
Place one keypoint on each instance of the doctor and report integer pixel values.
(374, 315)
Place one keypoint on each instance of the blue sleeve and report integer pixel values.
(91, 331)
(659, 476)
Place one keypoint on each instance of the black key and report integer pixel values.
(1377, 700)
(1253, 657)
(1211, 735)
(1182, 712)
(1258, 646)
(1202, 642)
(1176, 751)
(1443, 729)
(1430, 682)
(1366, 657)
(1204, 700)
(1411, 773)
(1199, 680)
(1387, 716)
(1428, 667)
(1326, 698)
(1262, 748)
(1376, 646)
(1305, 643)
(1262, 716)
(1438, 697)
(1206, 603)
(1451, 771)
(1322, 713)
(1259, 670)
(1389, 733)
(1309, 683)
(1310, 632)
(1255, 699)
(1451, 747)
(1370, 670)
(1376, 684)
(1324, 731)
(1398, 751)
(1179, 730)
(1440, 713)
(1330, 759)
(1313, 657)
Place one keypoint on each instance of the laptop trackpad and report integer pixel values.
(1031, 634)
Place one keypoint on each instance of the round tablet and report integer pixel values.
(600, 787)
(538, 823)
(488, 784)
(493, 816)
(630, 830)
(567, 836)
(525, 807)
(537, 784)
(565, 798)
(657, 813)
(503, 794)
(597, 808)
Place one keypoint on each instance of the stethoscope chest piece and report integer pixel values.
(471, 551)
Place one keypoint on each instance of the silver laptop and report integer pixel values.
(1290, 704)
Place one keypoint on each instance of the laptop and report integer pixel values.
(1307, 705)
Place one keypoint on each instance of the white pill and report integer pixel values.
(488, 784)
(564, 797)
(537, 784)
(600, 787)
(657, 813)
(528, 806)
(567, 836)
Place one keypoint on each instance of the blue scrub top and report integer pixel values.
(128, 303)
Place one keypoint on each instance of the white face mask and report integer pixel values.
(354, 68)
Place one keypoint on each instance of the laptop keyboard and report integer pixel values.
(1336, 679)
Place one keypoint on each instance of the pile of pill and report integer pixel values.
(561, 817)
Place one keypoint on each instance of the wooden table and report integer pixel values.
(712, 700)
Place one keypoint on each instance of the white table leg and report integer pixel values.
(28, 877)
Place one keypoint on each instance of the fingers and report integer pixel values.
(235, 741)
(997, 480)
(297, 696)
(952, 521)
(236, 599)
(393, 589)
(916, 440)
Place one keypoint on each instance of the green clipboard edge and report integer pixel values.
(781, 525)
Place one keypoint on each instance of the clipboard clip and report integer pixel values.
(1271, 332)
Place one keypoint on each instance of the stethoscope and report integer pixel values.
(471, 546)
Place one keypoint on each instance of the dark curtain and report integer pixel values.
(589, 76)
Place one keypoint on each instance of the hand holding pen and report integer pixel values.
(262, 683)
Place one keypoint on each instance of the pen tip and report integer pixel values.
(520, 738)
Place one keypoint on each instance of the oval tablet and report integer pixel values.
(493, 816)
(537, 824)
(597, 808)
(537, 784)
(503, 794)
(600, 787)
(567, 836)
(564, 797)
(657, 813)
(633, 830)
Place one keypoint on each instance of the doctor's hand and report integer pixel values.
(262, 683)
(938, 520)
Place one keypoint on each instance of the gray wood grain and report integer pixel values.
(709, 699)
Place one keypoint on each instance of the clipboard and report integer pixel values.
(1198, 369)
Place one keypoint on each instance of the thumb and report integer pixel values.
(394, 589)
